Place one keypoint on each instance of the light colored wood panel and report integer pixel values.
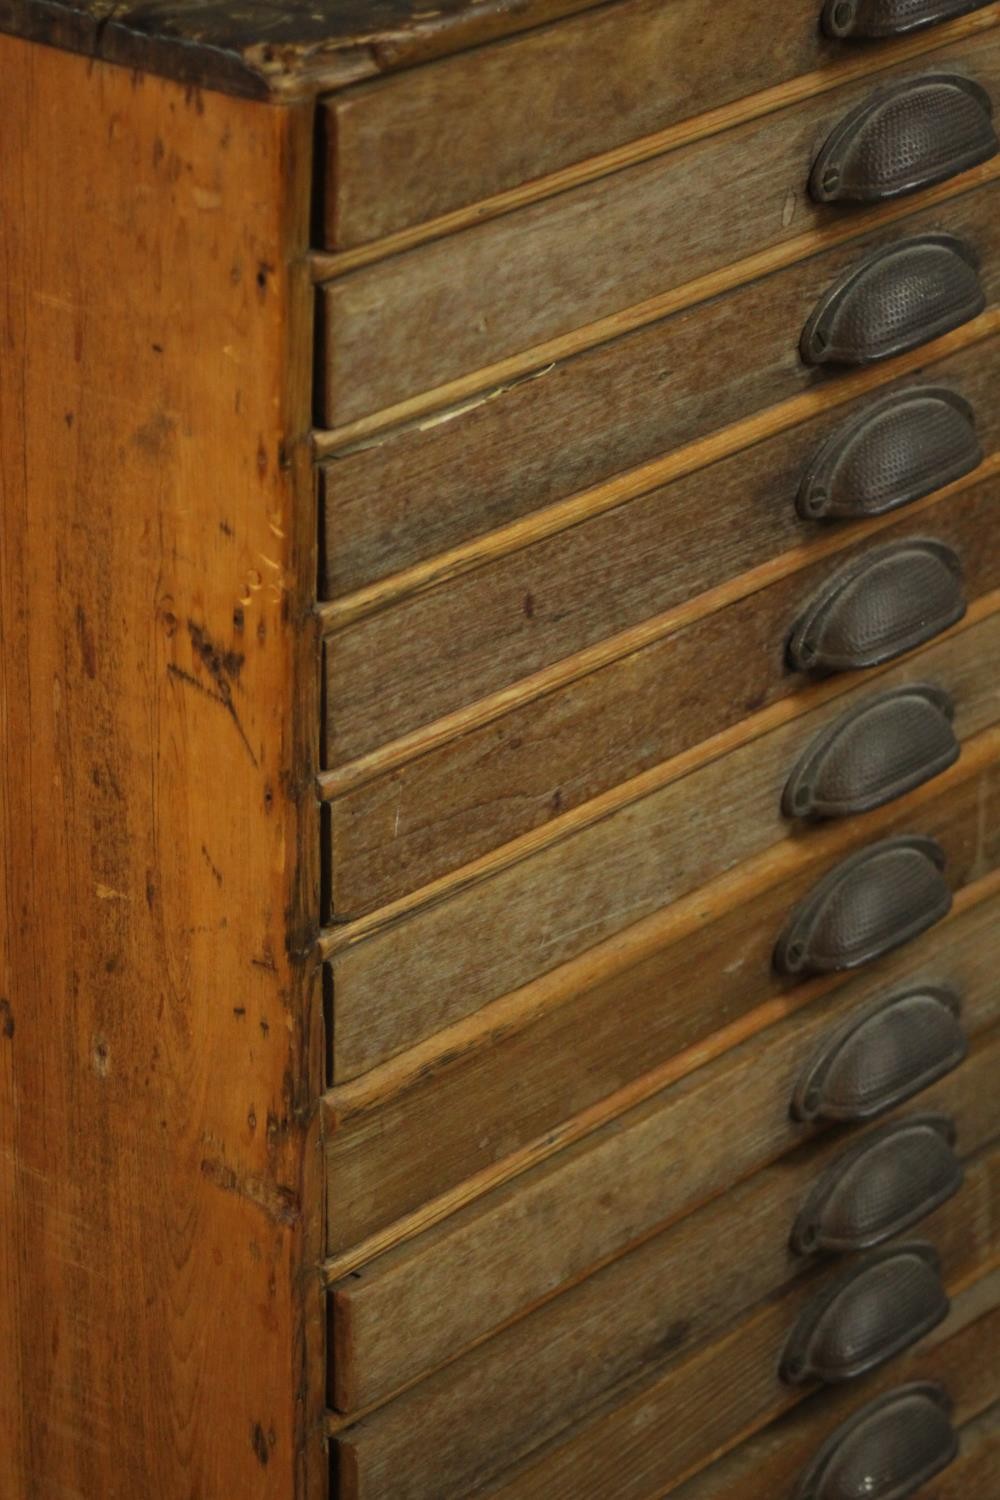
(532, 757)
(158, 1057)
(417, 320)
(671, 1411)
(491, 935)
(442, 139)
(770, 1462)
(431, 652)
(400, 1319)
(564, 1042)
(523, 446)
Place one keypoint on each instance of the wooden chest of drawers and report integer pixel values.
(500, 669)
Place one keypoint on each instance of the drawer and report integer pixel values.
(443, 137)
(429, 653)
(396, 1321)
(579, 1044)
(413, 812)
(596, 1039)
(448, 1436)
(421, 319)
(640, 851)
(770, 1462)
(396, 497)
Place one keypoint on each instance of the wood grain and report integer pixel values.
(400, 1319)
(158, 1052)
(426, 805)
(491, 934)
(669, 1409)
(769, 1463)
(429, 653)
(525, 447)
(505, 122)
(431, 314)
(564, 1041)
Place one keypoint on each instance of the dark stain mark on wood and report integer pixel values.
(226, 529)
(216, 872)
(239, 1011)
(6, 1019)
(154, 435)
(280, 1204)
(85, 636)
(224, 669)
(258, 1441)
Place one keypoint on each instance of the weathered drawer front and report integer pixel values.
(547, 1227)
(399, 1321)
(445, 136)
(957, 1356)
(597, 1027)
(449, 1433)
(418, 320)
(472, 635)
(521, 920)
(402, 821)
(412, 491)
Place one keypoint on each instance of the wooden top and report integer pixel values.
(263, 49)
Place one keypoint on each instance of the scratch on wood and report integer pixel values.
(279, 1203)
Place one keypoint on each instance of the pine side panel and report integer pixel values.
(159, 1324)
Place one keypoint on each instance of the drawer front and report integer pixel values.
(524, 917)
(397, 1322)
(773, 1461)
(449, 1435)
(416, 321)
(592, 1032)
(437, 140)
(430, 653)
(421, 809)
(477, 468)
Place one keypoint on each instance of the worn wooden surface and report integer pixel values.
(419, 319)
(258, 49)
(546, 1228)
(521, 919)
(607, 420)
(413, 1322)
(430, 803)
(415, 148)
(160, 1327)
(670, 1411)
(433, 651)
(563, 1038)
(963, 1355)
(609, 1151)
(671, 1295)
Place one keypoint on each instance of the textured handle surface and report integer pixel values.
(894, 1178)
(866, 1316)
(881, 605)
(868, 905)
(886, 1451)
(893, 452)
(899, 298)
(904, 138)
(864, 19)
(875, 752)
(882, 1055)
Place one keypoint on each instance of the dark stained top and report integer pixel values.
(262, 49)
